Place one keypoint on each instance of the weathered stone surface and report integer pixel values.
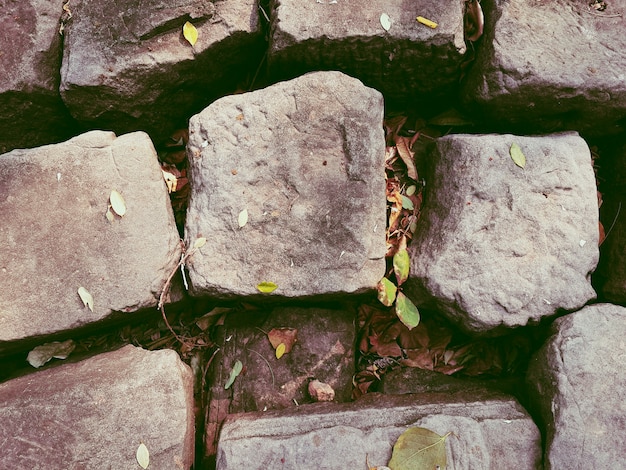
(498, 245)
(324, 350)
(304, 158)
(580, 388)
(546, 66)
(126, 66)
(32, 111)
(401, 63)
(489, 432)
(56, 238)
(95, 413)
(416, 380)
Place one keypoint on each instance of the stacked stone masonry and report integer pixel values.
(88, 90)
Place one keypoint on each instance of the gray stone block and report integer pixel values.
(402, 63)
(32, 111)
(499, 245)
(548, 66)
(580, 390)
(126, 66)
(489, 432)
(304, 158)
(56, 237)
(96, 413)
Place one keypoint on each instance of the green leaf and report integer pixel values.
(237, 368)
(266, 287)
(418, 449)
(86, 297)
(407, 203)
(401, 265)
(517, 155)
(143, 456)
(199, 243)
(42, 354)
(407, 311)
(411, 190)
(386, 292)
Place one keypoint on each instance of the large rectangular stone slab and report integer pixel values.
(579, 395)
(126, 65)
(489, 432)
(287, 186)
(56, 237)
(409, 61)
(549, 66)
(32, 111)
(500, 246)
(96, 413)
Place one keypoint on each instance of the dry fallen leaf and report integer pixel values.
(427, 22)
(143, 456)
(517, 155)
(419, 448)
(243, 218)
(266, 287)
(190, 32)
(117, 203)
(285, 337)
(86, 297)
(42, 354)
(385, 21)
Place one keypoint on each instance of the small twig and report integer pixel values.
(268, 365)
(208, 364)
(264, 14)
(181, 264)
(619, 208)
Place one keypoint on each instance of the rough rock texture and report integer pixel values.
(547, 66)
(324, 350)
(304, 158)
(576, 380)
(126, 65)
(501, 245)
(32, 111)
(56, 238)
(401, 62)
(95, 413)
(415, 380)
(490, 432)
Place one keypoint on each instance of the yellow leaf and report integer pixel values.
(117, 203)
(427, 22)
(280, 350)
(143, 456)
(190, 32)
(243, 218)
(86, 297)
(266, 287)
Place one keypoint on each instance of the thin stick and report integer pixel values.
(268, 365)
(619, 208)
